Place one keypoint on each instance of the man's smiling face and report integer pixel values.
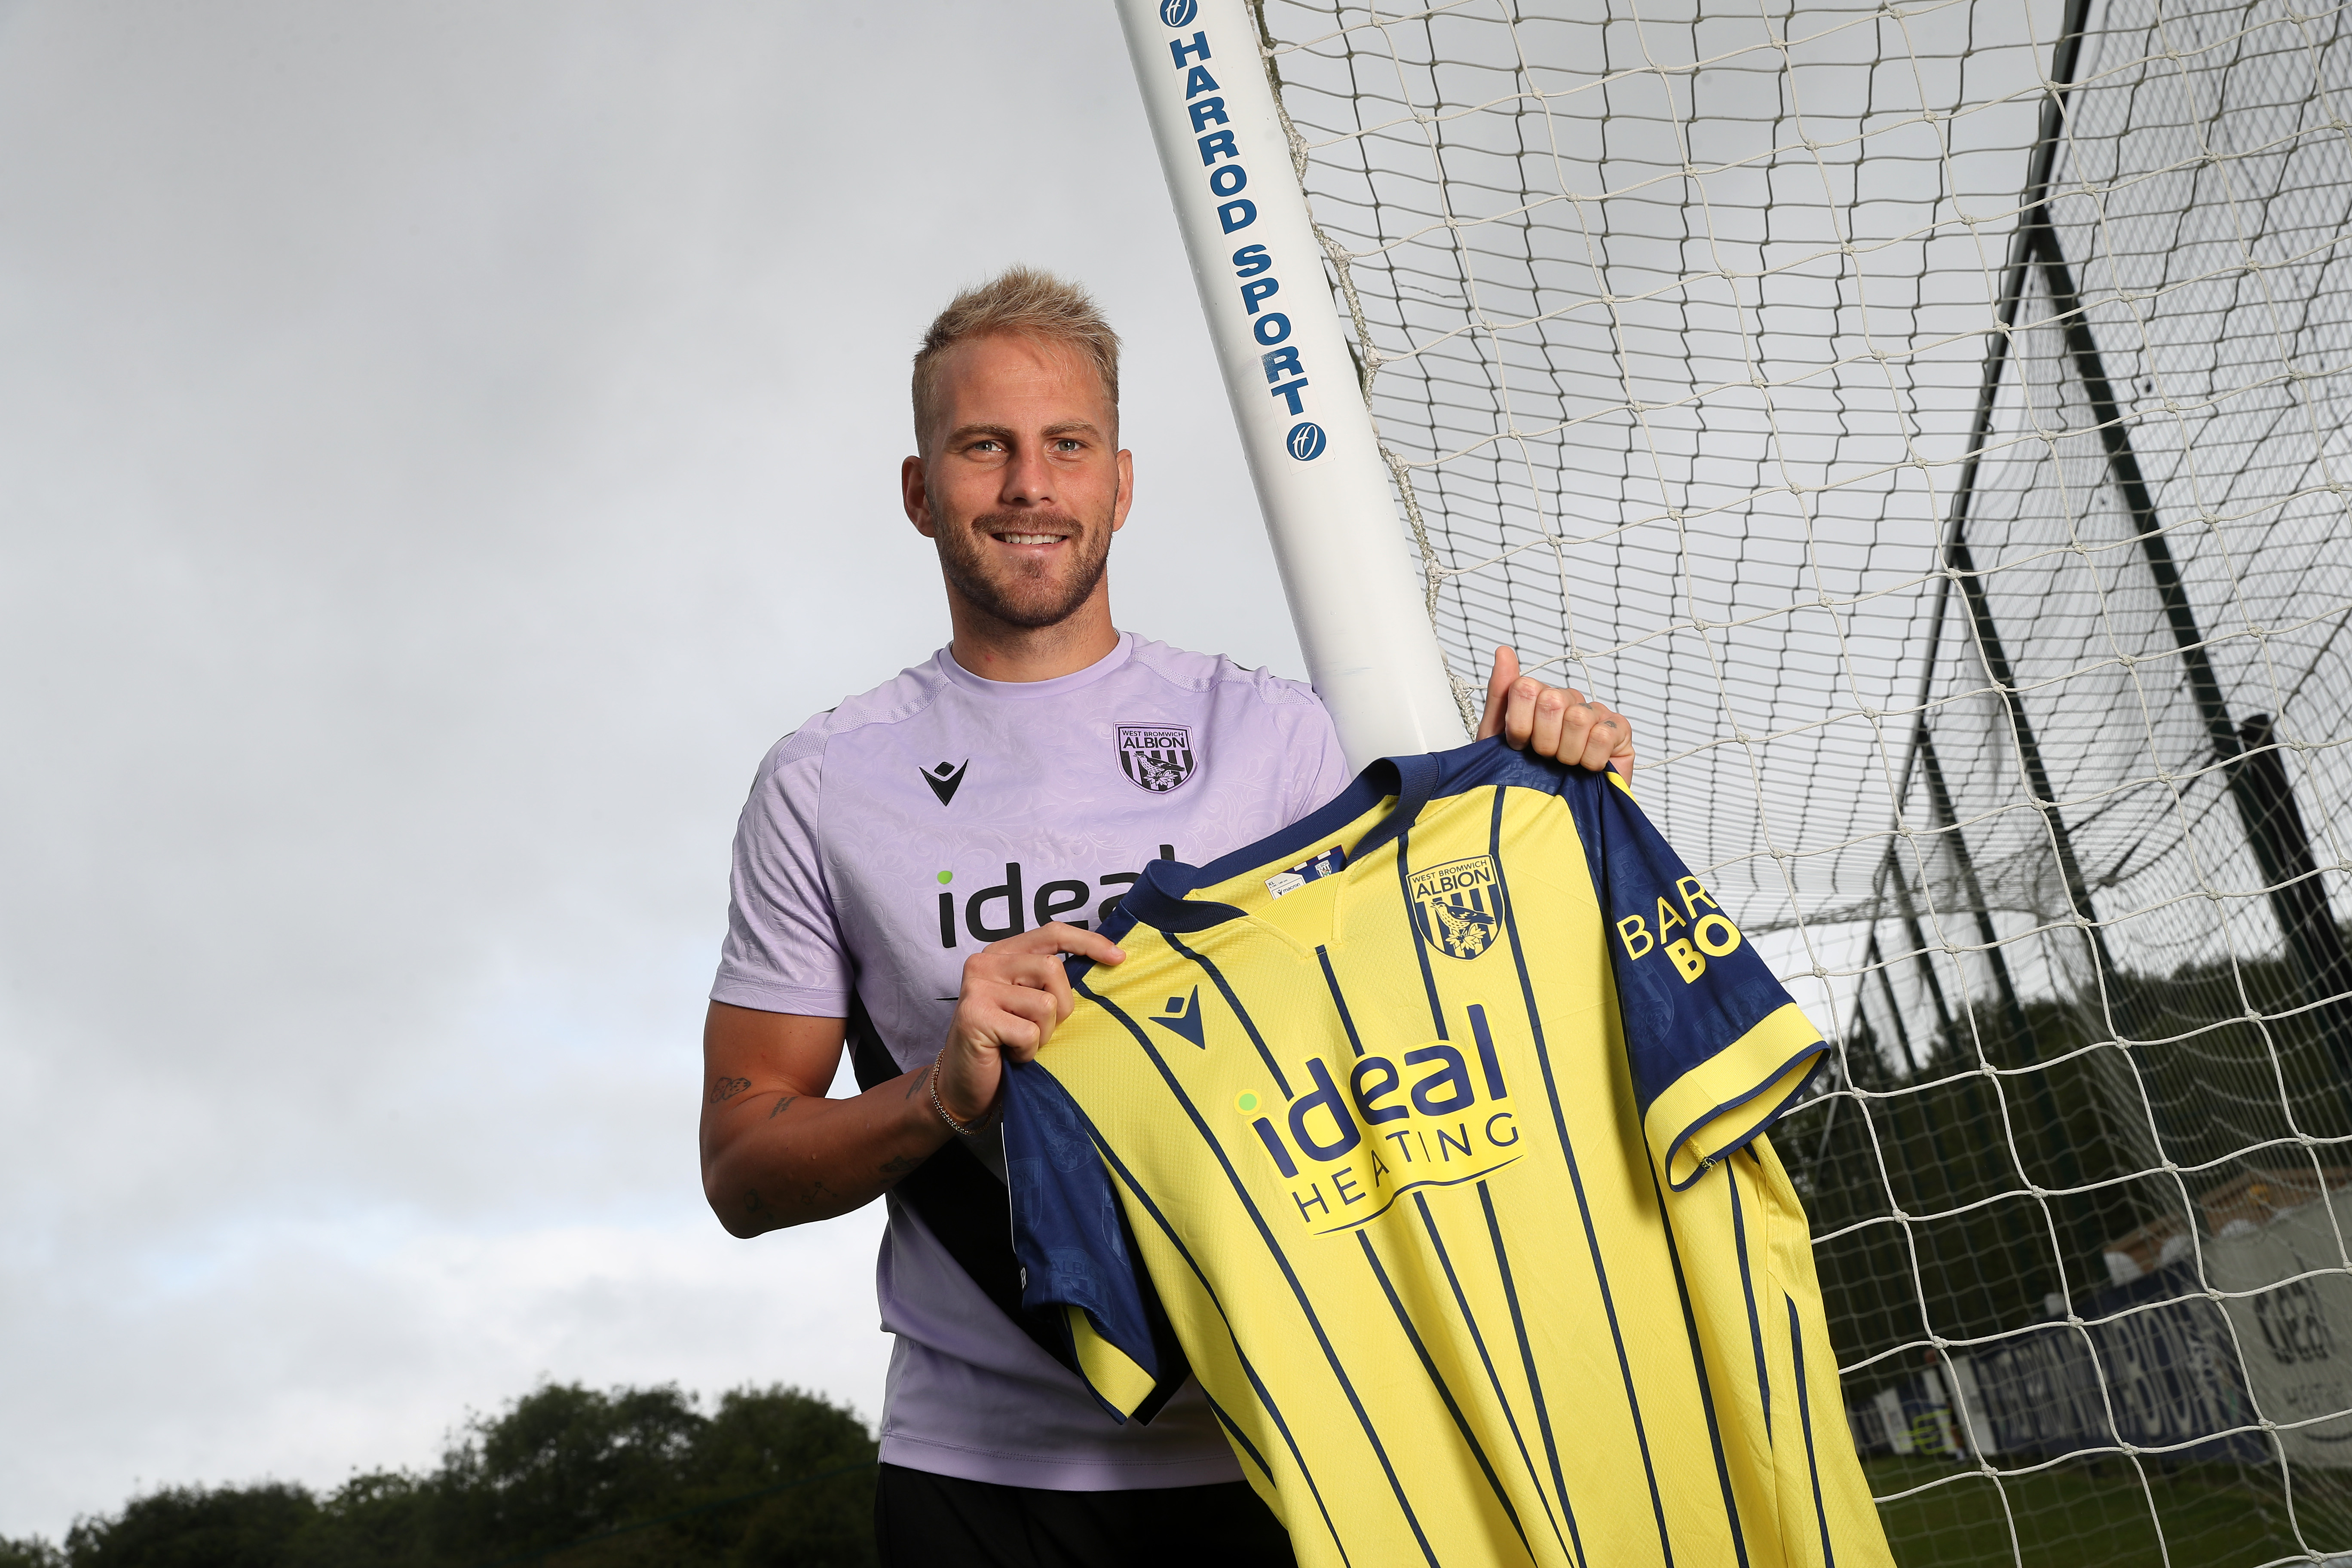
(1021, 483)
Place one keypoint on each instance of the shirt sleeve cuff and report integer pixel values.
(767, 996)
(1733, 1096)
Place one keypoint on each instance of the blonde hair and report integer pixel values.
(1020, 301)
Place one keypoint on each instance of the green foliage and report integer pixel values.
(756, 1441)
(1938, 1135)
(188, 1527)
(1950, 1142)
(384, 1518)
(567, 1475)
(567, 1462)
(2080, 1514)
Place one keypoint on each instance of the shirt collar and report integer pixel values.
(1018, 690)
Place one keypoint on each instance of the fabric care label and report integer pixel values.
(1307, 871)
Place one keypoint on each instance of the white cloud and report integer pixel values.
(447, 445)
(305, 1351)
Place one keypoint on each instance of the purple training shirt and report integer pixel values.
(888, 841)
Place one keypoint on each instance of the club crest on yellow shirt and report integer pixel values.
(1458, 907)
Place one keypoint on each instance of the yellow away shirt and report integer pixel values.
(1428, 1134)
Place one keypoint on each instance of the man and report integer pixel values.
(915, 860)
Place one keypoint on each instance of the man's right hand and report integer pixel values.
(1012, 995)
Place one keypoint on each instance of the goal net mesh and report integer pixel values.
(1929, 422)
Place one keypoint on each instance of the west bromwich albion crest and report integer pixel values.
(1157, 757)
(1458, 907)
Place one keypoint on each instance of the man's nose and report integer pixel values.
(1027, 480)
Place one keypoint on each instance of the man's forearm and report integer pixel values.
(775, 1155)
(773, 1158)
(775, 1149)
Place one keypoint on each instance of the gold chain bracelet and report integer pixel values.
(971, 1128)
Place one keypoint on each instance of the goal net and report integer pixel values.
(1928, 420)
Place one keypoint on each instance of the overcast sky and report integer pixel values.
(445, 445)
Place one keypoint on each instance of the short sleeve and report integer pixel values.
(783, 950)
(1078, 1266)
(1717, 1047)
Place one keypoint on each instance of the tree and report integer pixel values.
(568, 1461)
(568, 1475)
(385, 1519)
(188, 1527)
(762, 1438)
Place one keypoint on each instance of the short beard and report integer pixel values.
(1045, 601)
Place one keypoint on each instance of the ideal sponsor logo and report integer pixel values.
(1705, 936)
(1254, 265)
(1348, 1148)
(1004, 909)
(1458, 907)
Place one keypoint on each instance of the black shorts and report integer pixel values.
(923, 1521)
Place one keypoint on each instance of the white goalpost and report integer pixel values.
(1928, 421)
(1371, 647)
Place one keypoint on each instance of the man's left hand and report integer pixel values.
(1554, 721)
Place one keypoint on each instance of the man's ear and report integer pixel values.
(1126, 460)
(915, 490)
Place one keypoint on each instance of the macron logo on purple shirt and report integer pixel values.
(945, 777)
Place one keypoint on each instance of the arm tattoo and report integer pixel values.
(781, 1105)
(900, 1165)
(757, 1207)
(728, 1089)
